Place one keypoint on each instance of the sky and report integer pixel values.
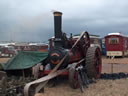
(32, 20)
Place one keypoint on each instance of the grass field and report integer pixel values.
(102, 87)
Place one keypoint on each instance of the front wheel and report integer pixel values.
(73, 78)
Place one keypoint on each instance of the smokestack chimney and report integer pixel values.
(57, 28)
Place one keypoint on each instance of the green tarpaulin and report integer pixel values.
(24, 60)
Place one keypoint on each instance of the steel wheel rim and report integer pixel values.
(97, 63)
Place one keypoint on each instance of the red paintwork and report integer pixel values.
(99, 66)
(77, 51)
(121, 46)
(42, 48)
(76, 57)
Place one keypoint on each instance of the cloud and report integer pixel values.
(32, 20)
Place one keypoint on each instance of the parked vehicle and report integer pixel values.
(7, 51)
(116, 44)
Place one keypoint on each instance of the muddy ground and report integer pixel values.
(108, 85)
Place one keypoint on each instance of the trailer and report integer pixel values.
(116, 44)
(96, 41)
(7, 51)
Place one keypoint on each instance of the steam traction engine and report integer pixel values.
(61, 45)
(72, 57)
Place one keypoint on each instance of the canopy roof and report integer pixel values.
(24, 60)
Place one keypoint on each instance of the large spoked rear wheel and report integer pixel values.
(93, 62)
